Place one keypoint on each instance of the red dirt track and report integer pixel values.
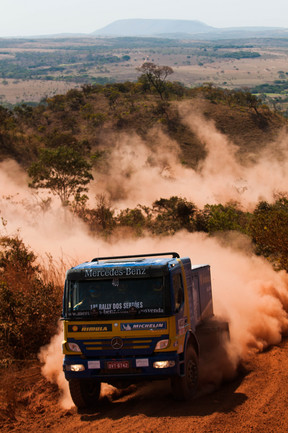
(255, 401)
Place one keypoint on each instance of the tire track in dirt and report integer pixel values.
(256, 401)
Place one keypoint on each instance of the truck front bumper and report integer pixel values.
(156, 366)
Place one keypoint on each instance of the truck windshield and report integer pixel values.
(117, 297)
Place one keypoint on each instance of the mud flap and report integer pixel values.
(214, 362)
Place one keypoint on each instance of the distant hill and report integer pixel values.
(183, 29)
(245, 33)
(150, 27)
(171, 29)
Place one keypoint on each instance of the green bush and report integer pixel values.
(218, 217)
(269, 231)
(133, 218)
(173, 214)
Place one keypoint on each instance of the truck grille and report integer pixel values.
(125, 347)
(127, 344)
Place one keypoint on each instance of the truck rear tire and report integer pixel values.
(84, 393)
(184, 388)
(215, 361)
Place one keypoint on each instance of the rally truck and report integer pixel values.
(134, 318)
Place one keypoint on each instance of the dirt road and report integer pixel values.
(256, 401)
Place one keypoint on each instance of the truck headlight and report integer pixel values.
(163, 364)
(75, 367)
(73, 347)
(162, 344)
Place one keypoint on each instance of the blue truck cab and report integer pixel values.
(134, 318)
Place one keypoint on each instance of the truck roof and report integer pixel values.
(149, 260)
(155, 261)
(199, 266)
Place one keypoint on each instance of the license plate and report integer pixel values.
(116, 365)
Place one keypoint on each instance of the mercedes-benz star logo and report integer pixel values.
(117, 343)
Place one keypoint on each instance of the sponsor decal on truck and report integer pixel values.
(114, 272)
(90, 328)
(143, 326)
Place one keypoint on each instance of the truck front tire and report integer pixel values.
(184, 388)
(85, 393)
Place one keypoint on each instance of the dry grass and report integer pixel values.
(17, 91)
(234, 73)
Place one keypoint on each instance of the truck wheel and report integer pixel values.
(84, 393)
(184, 388)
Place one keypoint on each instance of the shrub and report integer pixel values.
(173, 214)
(269, 231)
(132, 218)
(29, 307)
(218, 217)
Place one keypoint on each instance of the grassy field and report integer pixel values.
(33, 69)
(18, 91)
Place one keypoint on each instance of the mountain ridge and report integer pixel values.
(145, 27)
(170, 28)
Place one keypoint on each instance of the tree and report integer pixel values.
(173, 214)
(155, 77)
(269, 231)
(132, 218)
(62, 170)
(99, 219)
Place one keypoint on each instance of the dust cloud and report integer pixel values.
(247, 292)
(137, 172)
(52, 359)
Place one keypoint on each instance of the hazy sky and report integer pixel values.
(38, 17)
